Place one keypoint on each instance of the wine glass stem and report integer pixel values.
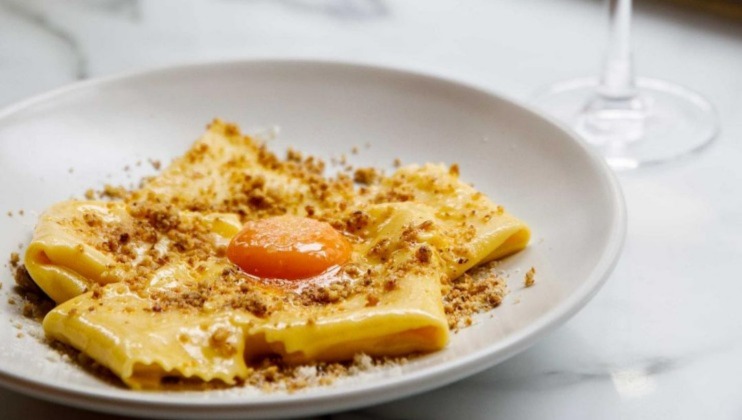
(617, 81)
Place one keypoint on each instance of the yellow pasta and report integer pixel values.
(145, 286)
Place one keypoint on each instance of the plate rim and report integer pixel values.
(138, 403)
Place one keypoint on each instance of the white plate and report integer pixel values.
(539, 171)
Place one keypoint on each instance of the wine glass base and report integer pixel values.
(663, 122)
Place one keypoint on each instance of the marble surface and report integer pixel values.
(663, 339)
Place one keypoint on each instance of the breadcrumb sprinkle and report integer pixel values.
(530, 278)
(158, 230)
(478, 290)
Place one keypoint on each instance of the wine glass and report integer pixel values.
(632, 122)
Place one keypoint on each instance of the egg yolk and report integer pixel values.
(288, 247)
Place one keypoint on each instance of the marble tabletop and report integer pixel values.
(662, 339)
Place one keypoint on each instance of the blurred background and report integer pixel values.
(512, 46)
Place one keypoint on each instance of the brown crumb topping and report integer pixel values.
(35, 303)
(454, 170)
(113, 192)
(14, 259)
(366, 176)
(156, 164)
(530, 278)
(163, 226)
(272, 374)
(372, 300)
(423, 254)
(220, 342)
(478, 290)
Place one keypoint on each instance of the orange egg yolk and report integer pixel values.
(288, 247)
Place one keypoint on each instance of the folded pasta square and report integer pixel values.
(145, 286)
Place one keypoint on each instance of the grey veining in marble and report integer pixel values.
(39, 20)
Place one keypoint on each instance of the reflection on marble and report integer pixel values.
(663, 339)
